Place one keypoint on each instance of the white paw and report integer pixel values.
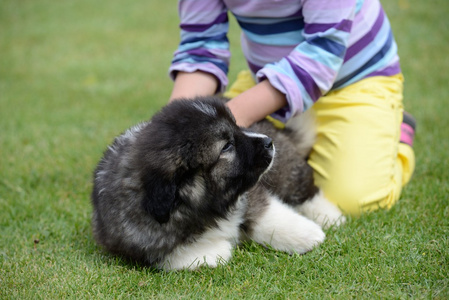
(284, 229)
(322, 211)
(305, 235)
(201, 253)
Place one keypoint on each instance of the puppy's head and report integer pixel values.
(193, 154)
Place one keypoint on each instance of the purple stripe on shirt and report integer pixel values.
(388, 71)
(367, 38)
(201, 52)
(344, 25)
(222, 18)
(307, 81)
(322, 75)
(253, 67)
(296, 14)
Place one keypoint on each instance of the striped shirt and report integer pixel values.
(305, 48)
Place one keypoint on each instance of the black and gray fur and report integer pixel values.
(180, 190)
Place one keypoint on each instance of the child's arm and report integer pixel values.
(249, 107)
(256, 103)
(190, 85)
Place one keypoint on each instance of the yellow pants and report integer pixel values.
(357, 159)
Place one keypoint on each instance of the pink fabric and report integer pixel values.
(407, 134)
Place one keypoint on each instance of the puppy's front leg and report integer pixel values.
(284, 229)
(204, 252)
(213, 247)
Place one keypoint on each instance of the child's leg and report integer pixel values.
(358, 160)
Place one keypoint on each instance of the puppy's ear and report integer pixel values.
(160, 196)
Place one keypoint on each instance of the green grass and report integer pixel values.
(73, 74)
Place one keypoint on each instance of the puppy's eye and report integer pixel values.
(228, 147)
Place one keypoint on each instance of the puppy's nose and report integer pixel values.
(268, 143)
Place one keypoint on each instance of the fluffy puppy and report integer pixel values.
(182, 189)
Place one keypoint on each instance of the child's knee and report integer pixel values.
(355, 194)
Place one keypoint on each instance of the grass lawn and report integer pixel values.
(74, 74)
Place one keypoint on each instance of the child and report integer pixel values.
(338, 58)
